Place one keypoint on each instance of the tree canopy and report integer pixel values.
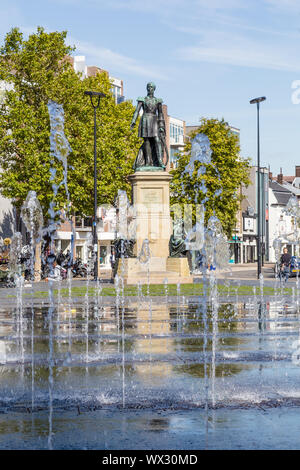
(224, 175)
(38, 69)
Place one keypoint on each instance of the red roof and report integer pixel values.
(288, 179)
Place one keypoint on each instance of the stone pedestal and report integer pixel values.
(178, 265)
(151, 199)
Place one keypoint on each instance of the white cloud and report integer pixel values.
(238, 50)
(162, 6)
(134, 5)
(107, 59)
(230, 22)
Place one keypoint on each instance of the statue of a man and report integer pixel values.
(151, 129)
(177, 246)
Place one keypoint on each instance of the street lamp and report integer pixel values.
(257, 101)
(95, 105)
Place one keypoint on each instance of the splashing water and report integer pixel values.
(200, 152)
(145, 254)
(211, 242)
(261, 283)
(32, 216)
(217, 250)
(211, 249)
(59, 145)
(15, 254)
(166, 288)
(59, 150)
(127, 217)
(144, 257)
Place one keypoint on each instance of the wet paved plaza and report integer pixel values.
(150, 373)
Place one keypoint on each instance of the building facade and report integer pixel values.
(281, 223)
(83, 239)
(175, 136)
(250, 213)
(79, 64)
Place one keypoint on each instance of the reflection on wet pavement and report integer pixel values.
(151, 370)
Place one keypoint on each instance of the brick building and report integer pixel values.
(79, 64)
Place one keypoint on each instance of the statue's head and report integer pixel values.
(151, 86)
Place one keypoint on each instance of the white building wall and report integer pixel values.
(116, 83)
(176, 138)
(280, 224)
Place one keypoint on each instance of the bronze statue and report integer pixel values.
(152, 129)
(177, 247)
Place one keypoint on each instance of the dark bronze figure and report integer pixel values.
(152, 129)
(177, 246)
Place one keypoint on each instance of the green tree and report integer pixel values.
(38, 69)
(227, 172)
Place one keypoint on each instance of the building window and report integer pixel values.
(79, 252)
(175, 132)
(83, 222)
(173, 155)
(103, 254)
(117, 92)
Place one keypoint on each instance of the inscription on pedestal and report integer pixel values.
(152, 196)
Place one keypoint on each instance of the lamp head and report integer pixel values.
(258, 100)
(94, 93)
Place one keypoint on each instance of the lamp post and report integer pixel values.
(95, 105)
(257, 101)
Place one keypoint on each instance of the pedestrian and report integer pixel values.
(285, 263)
(112, 259)
(60, 258)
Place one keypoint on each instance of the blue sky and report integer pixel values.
(207, 58)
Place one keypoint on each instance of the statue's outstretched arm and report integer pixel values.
(136, 113)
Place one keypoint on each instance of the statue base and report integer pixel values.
(173, 270)
(151, 200)
(150, 168)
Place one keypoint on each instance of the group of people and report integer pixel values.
(60, 264)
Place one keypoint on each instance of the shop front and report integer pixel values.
(235, 250)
